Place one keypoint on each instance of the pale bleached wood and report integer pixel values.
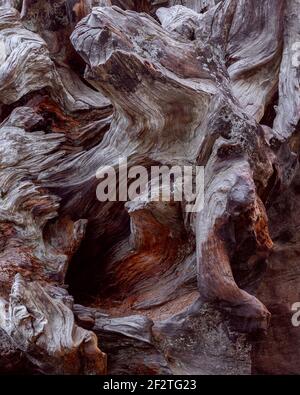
(79, 89)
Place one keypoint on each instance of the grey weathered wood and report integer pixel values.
(196, 85)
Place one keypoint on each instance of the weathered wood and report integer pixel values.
(200, 82)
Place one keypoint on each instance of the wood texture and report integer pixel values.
(87, 286)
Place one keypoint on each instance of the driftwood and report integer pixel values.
(87, 285)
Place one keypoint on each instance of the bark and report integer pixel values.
(87, 286)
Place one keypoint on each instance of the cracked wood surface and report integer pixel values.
(200, 82)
